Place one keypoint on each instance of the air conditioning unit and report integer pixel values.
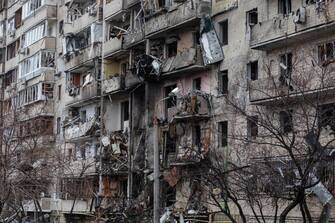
(300, 16)
(24, 51)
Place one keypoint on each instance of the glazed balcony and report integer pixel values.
(180, 15)
(282, 30)
(45, 12)
(114, 8)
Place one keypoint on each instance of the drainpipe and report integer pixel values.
(156, 173)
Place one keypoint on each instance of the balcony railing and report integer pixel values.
(112, 46)
(76, 129)
(113, 84)
(282, 30)
(182, 14)
(114, 7)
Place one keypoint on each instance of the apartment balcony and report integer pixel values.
(80, 23)
(56, 204)
(11, 63)
(76, 129)
(274, 89)
(132, 38)
(187, 61)
(84, 94)
(114, 8)
(282, 30)
(131, 3)
(175, 17)
(41, 14)
(183, 158)
(113, 47)
(112, 85)
(46, 43)
(192, 107)
(115, 165)
(84, 57)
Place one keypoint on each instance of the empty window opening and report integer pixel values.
(224, 32)
(253, 70)
(326, 51)
(284, 7)
(252, 123)
(326, 116)
(172, 49)
(286, 65)
(223, 82)
(197, 84)
(83, 117)
(124, 114)
(171, 100)
(59, 92)
(18, 18)
(58, 125)
(252, 17)
(223, 134)
(286, 121)
(197, 136)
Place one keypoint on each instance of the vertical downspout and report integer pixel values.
(130, 148)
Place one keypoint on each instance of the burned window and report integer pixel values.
(252, 125)
(197, 84)
(124, 115)
(286, 121)
(197, 136)
(9, 78)
(172, 49)
(223, 134)
(253, 70)
(196, 39)
(284, 7)
(83, 116)
(286, 65)
(12, 49)
(171, 100)
(170, 143)
(326, 51)
(224, 32)
(326, 116)
(223, 82)
(61, 27)
(252, 17)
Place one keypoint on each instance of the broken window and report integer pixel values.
(172, 49)
(252, 124)
(61, 27)
(284, 7)
(197, 84)
(11, 27)
(33, 35)
(286, 65)
(223, 82)
(197, 136)
(83, 117)
(286, 121)
(58, 125)
(326, 51)
(9, 78)
(253, 70)
(326, 116)
(124, 115)
(252, 17)
(224, 32)
(12, 49)
(35, 62)
(171, 100)
(196, 38)
(223, 134)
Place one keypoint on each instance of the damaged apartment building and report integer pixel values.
(128, 97)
